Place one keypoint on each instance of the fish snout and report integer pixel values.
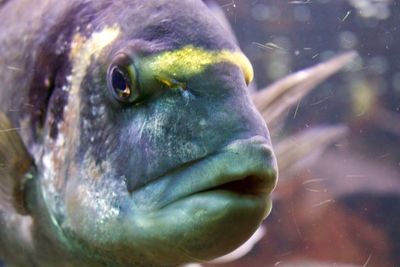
(251, 167)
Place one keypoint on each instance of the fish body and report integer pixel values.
(141, 145)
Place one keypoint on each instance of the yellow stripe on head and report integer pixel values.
(190, 61)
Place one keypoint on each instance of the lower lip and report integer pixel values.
(223, 202)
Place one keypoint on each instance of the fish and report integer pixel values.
(128, 136)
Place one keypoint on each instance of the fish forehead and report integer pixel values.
(170, 24)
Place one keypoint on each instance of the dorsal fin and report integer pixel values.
(15, 163)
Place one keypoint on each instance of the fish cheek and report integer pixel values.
(93, 203)
(77, 163)
(103, 123)
(99, 115)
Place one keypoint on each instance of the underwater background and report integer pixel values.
(342, 208)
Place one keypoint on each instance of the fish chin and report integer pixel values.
(196, 228)
(201, 227)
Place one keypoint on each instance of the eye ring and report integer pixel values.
(121, 80)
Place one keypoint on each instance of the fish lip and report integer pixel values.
(240, 164)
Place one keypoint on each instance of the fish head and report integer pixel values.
(159, 156)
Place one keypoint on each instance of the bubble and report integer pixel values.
(383, 12)
(302, 13)
(275, 13)
(396, 82)
(378, 9)
(277, 69)
(260, 12)
(378, 65)
(347, 40)
(355, 65)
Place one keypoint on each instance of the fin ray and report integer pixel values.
(15, 162)
(299, 151)
(275, 100)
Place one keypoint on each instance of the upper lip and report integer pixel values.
(245, 166)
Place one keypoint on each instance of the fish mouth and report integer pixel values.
(246, 168)
(251, 185)
(207, 207)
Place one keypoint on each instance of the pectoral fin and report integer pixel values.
(15, 166)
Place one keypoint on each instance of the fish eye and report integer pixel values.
(121, 80)
(120, 84)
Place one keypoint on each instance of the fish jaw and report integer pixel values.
(216, 204)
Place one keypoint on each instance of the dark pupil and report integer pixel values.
(118, 80)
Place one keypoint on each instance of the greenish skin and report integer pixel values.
(183, 175)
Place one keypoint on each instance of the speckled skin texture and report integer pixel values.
(128, 185)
